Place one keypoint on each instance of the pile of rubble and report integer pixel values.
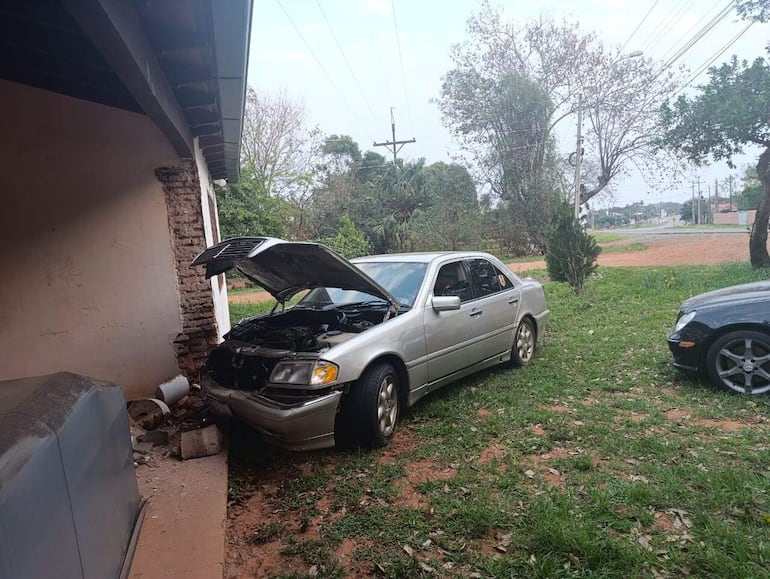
(177, 422)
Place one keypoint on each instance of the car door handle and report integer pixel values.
(475, 312)
(513, 301)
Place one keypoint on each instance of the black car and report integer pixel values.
(725, 335)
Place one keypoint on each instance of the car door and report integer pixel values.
(496, 308)
(450, 336)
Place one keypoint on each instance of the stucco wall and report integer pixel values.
(88, 274)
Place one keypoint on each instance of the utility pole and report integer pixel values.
(692, 209)
(394, 146)
(700, 196)
(730, 181)
(578, 156)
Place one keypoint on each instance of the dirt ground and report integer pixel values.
(669, 249)
(245, 559)
(662, 249)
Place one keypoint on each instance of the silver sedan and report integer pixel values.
(351, 343)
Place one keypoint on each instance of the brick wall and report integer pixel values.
(196, 306)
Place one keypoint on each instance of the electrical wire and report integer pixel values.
(319, 63)
(347, 63)
(638, 26)
(401, 62)
(662, 30)
(700, 34)
(711, 60)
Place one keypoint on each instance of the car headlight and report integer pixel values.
(309, 372)
(683, 321)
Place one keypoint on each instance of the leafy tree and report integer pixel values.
(757, 10)
(454, 220)
(572, 253)
(728, 113)
(686, 213)
(246, 209)
(748, 198)
(402, 194)
(349, 242)
(621, 96)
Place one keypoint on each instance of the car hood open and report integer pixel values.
(285, 267)
(742, 292)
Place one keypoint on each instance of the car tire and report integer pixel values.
(739, 362)
(371, 409)
(524, 342)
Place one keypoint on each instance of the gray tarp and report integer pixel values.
(68, 494)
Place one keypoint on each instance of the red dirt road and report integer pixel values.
(669, 249)
(662, 249)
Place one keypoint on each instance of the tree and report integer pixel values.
(279, 152)
(748, 198)
(757, 10)
(621, 95)
(728, 113)
(454, 220)
(247, 210)
(572, 253)
(686, 213)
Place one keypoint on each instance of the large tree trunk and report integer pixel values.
(758, 240)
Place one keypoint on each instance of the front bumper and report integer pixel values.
(685, 358)
(307, 425)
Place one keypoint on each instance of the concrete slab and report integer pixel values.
(183, 534)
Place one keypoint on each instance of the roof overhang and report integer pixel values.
(181, 62)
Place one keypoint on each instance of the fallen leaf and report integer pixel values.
(529, 473)
(553, 471)
(427, 568)
(408, 550)
(313, 571)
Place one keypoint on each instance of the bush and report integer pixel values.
(571, 253)
(349, 241)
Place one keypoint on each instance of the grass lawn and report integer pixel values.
(598, 459)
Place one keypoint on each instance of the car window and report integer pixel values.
(401, 279)
(487, 278)
(451, 281)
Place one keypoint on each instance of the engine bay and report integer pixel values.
(254, 346)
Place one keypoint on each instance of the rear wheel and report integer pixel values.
(524, 341)
(739, 362)
(371, 409)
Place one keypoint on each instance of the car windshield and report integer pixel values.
(401, 279)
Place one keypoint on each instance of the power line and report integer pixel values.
(347, 62)
(638, 26)
(700, 34)
(666, 24)
(318, 62)
(401, 62)
(710, 61)
(692, 28)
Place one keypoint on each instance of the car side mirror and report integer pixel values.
(445, 303)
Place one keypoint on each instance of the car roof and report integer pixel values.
(418, 257)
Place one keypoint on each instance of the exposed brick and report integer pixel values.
(185, 217)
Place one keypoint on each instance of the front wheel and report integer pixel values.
(524, 339)
(739, 362)
(371, 409)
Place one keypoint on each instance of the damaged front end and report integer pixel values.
(269, 372)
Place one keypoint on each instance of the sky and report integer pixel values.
(350, 61)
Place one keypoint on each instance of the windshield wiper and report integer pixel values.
(364, 304)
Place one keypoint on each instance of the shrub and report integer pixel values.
(571, 253)
(349, 242)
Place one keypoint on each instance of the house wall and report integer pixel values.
(208, 204)
(89, 280)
